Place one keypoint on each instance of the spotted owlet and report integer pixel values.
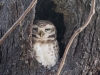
(45, 45)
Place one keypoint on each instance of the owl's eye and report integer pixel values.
(47, 29)
(35, 29)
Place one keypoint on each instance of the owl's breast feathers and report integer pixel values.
(46, 52)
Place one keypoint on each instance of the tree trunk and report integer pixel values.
(11, 49)
(67, 15)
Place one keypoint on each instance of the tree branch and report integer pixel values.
(18, 21)
(92, 12)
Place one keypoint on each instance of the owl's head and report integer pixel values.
(43, 30)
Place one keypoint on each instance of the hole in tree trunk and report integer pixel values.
(45, 10)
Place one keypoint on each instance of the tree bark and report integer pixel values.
(67, 15)
(84, 54)
(12, 49)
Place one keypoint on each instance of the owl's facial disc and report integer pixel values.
(43, 32)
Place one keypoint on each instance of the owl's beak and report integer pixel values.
(41, 33)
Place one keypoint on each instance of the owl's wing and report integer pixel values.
(57, 49)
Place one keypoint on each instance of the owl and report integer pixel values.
(45, 46)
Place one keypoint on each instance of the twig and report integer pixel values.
(92, 11)
(18, 21)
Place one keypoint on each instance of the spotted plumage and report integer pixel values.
(45, 45)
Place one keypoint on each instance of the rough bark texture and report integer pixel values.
(11, 49)
(67, 15)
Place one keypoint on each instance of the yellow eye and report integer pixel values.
(35, 29)
(47, 29)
